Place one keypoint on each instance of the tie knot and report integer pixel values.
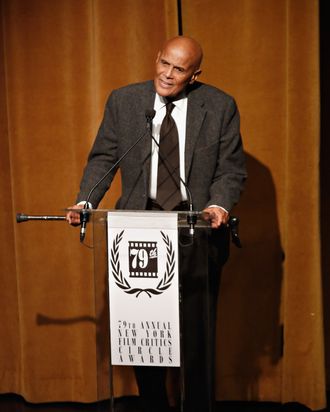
(169, 107)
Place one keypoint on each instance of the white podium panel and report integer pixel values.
(143, 288)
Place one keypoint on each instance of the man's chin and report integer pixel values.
(165, 93)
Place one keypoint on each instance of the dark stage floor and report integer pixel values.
(15, 403)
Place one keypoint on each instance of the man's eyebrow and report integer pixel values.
(176, 67)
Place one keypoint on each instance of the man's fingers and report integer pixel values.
(73, 218)
(216, 216)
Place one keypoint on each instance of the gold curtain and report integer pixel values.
(59, 60)
(270, 338)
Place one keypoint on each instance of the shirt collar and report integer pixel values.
(160, 102)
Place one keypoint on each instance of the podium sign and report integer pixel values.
(143, 288)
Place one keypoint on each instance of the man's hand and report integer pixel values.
(216, 215)
(74, 217)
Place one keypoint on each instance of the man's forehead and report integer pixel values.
(177, 57)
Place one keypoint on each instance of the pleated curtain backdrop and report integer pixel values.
(58, 62)
(270, 335)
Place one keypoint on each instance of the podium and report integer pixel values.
(193, 368)
(183, 285)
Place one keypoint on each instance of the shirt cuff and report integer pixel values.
(83, 202)
(220, 207)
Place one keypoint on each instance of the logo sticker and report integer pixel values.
(143, 263)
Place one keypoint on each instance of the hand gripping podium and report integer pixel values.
(154, 302)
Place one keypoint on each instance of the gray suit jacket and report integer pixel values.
(214, 158)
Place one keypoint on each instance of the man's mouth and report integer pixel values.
(165, 84)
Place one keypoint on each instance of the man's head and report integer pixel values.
(177, 65)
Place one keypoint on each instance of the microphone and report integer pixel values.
(84, 216)
(150, 114)
(192, 215)
(233, 226)
(22, 217)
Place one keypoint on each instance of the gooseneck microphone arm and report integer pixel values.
(84, 215)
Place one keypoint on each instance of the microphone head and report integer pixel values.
(150, 114)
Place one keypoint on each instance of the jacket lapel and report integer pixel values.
(147, 102)
(195, 116)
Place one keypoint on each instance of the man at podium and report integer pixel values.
(177, 143)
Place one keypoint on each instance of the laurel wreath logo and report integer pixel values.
(121, 281)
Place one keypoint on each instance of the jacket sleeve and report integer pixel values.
(101, 163)
(230, 172)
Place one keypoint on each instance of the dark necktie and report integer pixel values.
(168, 182)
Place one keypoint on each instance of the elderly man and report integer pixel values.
(196, 144)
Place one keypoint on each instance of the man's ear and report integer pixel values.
(195, 76)
(158, 56)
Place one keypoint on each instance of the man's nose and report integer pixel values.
(169, 71)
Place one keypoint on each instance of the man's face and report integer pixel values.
(175, 69)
